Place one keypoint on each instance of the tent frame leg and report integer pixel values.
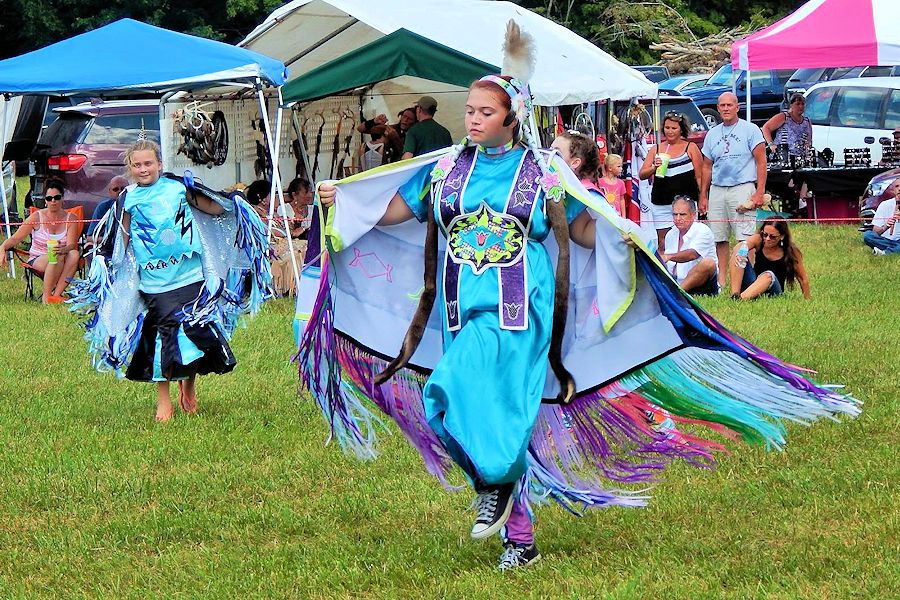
(12, 269)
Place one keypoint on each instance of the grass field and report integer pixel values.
(245, 500)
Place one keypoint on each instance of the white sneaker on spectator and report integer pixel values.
(878, 252)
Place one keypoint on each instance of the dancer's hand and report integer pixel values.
(326, 194)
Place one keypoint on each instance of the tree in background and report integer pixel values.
(31, 24)
(626, 28)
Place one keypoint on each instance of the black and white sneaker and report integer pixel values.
(494, 505)
(518, 555)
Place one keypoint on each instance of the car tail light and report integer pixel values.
(66, 162)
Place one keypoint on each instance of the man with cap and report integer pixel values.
(427, 134)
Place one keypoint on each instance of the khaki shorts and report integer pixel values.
(724, 219)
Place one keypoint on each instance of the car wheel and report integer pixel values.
(711, 116)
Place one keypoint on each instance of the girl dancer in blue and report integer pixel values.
(175, 307)
(159, 225)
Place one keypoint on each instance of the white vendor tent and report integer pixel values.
(305, 34)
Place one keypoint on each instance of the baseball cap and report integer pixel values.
(427, 103)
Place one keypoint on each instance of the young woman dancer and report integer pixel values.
(492, 381)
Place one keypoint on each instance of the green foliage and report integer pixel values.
(31, 24)
(246, 500)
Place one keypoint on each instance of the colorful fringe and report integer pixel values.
(716, 380)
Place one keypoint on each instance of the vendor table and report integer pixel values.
(836, 190)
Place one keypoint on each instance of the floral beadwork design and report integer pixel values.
(443, 167)
(552, 186)
(484, 239)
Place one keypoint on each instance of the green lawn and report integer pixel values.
(246, 500)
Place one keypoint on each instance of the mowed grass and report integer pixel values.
(245, 499)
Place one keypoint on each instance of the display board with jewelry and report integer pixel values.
(890, 152)
(857, 157)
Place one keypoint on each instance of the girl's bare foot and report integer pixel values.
(187, 396)
(164, 408)
(164, 412)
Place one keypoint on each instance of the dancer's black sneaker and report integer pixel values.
(494, 505)
(518, 555)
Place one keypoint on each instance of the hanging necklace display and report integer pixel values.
(346, 115)
(315, 169)
(583, 123)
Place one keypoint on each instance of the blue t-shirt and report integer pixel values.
(99, 213)
(730, 147)
(165, 242)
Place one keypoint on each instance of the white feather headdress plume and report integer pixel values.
(518, 53)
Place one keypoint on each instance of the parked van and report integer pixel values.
(854, 113)
(85, 145)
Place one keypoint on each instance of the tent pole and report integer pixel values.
(287, 224)
(748, 97)
(12, 268)
(164, 147)
(657, 122)
(270, 141)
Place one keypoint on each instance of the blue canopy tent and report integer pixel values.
(103, 61)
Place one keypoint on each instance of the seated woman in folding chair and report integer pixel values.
(50, 227)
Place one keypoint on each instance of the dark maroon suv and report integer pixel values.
(85, 147)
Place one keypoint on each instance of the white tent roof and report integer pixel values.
(307, 33)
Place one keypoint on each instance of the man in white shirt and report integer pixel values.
(885, 235)
(690, 250)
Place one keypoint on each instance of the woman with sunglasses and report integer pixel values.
(778, 264)
(49, 226)
(674, 165)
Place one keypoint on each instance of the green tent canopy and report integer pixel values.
(399, 53)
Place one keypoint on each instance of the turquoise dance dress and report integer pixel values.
(483, 396)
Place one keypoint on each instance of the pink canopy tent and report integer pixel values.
(825, 33)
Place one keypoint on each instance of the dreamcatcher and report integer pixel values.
(632, 125)
(583, 123)
(204, 136)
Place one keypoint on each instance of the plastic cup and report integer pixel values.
(51, 251)
(663, 168)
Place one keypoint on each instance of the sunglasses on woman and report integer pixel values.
(53, 197)
(675, 116)
(772, 236)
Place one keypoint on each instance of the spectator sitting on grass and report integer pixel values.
(690, 250)
(885, 235)
(778, 264)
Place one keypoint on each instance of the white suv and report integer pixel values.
(854, 113)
